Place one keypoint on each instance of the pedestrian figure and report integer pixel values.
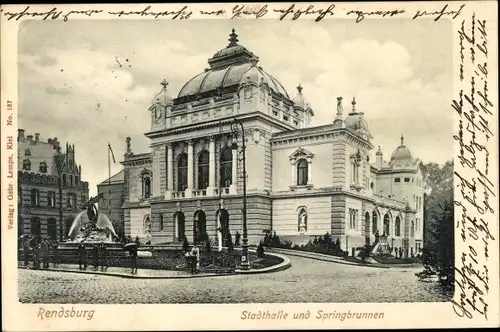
(95, 256)
(195, 256)
(36, 255)
(103, 254)
(133, 256)
(54, 248)
(189, 261)
(26, 251)
(137, 242)
(45, 253)
(82, 256)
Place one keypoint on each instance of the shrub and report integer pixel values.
(260, 250)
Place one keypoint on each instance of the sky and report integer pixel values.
(71, 84)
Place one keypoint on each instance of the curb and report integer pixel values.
(275, 268)
(332, 259)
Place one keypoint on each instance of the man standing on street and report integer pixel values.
(133, 257)
(103, 254)
(45, 253)
(82, 256)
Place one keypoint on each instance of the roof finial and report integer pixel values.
(402, 139)
(353, 104)
(164, 83)
(253, 61)
(233, 39)
(300, 88)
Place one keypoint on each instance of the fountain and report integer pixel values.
(91, 228)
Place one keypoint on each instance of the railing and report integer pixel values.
(202, 192)
(389, 201)
(178, 194)
(224, 191)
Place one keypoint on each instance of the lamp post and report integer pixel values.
(238, 130)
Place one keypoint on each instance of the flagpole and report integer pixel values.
(109, 179)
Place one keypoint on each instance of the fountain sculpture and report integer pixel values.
(91, 227)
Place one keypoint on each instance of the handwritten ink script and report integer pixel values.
(292, 12)
(477, 191)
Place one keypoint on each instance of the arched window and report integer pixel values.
(71, 180)
(387, 225)
(203, 169)
(372, 186)
(199, 226)
(352, 218)
(52, 228)
(35, 197)
(35, 226)
(302, 171)
(182, 172)
(398, 227)
(302, 220)
(76, 179)
(226, 167)
(180, 225)
(374, 222)
(146, 187)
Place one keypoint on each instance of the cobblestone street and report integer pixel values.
(306, 281)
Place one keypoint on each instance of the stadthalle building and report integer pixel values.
(302, 181)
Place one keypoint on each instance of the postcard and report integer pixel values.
(249, 166)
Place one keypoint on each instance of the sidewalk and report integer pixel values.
(127, 272)
(339, 260)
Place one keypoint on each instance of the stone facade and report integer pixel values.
(112, 191)
(301, 181)
(50, 187)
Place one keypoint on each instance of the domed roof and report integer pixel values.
(356, 120)
(230, 66)
(300, 100)
(162, 97)
(402, 153)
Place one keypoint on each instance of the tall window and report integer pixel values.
(51, 199)
(352, 218)
(226, 167)
(302, 171)
(35, 226)
(146, 187)
(354, 172)
(374, 222)
(76, 179)
(52, 228)
(182, 172)
(64, 180)
(35, 197)
(398, 227)
(412, 230)
(20, 196)
(71, 180)
(43, 167)
(180, 225)
(203, 169)
(71, 201)
(161, 222)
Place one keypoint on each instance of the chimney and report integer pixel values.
(30, 138)
(37, 137)
(378, 159)
(20, 134)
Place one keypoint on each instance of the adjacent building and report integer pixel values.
(302, 181)
(50, 187)
(112, 191)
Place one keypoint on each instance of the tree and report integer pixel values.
(438, 253)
